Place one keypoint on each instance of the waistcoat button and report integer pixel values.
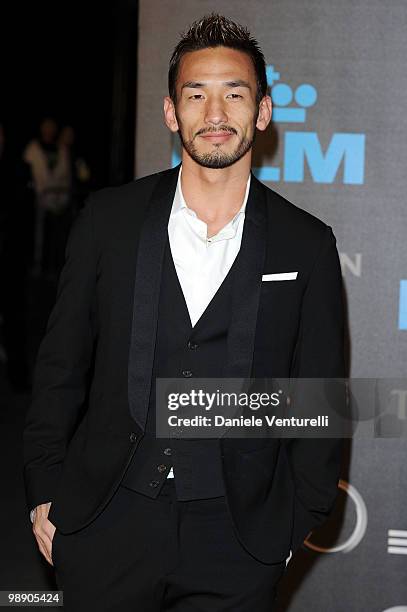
(154, 483)
(186, 373)
(133, 436)
(161, 468)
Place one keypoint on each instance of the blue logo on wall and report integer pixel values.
(301, 147)
(403, 305)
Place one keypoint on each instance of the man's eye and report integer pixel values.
(235, 95)
(195, 96)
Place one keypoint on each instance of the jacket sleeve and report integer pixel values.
(316, 462)
(62, 365)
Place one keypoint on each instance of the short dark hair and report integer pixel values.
(215, 30)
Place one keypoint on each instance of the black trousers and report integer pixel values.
(151, 555)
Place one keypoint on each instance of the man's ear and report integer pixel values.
(265, 113)
(169, 114)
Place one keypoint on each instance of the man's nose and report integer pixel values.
(215, 113)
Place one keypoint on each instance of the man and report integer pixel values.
(49, 162)
(163, 278)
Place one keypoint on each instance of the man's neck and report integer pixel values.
(216, 195)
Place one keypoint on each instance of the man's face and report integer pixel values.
(216, 112)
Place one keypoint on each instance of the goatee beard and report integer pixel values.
(217, 159)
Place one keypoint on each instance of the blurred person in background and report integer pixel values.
(50, 166)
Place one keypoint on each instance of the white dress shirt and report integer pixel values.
(202, 263)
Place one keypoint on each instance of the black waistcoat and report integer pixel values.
(183, 350)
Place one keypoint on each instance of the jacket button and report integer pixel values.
(161, 468)
(154, 483)
(192, 344)
(133, 436)
(167, 451)
(186, 373)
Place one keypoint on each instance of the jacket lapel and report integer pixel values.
(150, 254)
(247, 285)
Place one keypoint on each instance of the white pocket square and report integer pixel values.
(279, 276)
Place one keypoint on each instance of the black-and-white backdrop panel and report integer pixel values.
(337, 148)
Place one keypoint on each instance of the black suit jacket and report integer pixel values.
(93, 371)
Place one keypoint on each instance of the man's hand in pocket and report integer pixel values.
(44, 531)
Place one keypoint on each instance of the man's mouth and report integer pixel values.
(217, 136)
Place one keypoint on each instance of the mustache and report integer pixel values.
(215, 130)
